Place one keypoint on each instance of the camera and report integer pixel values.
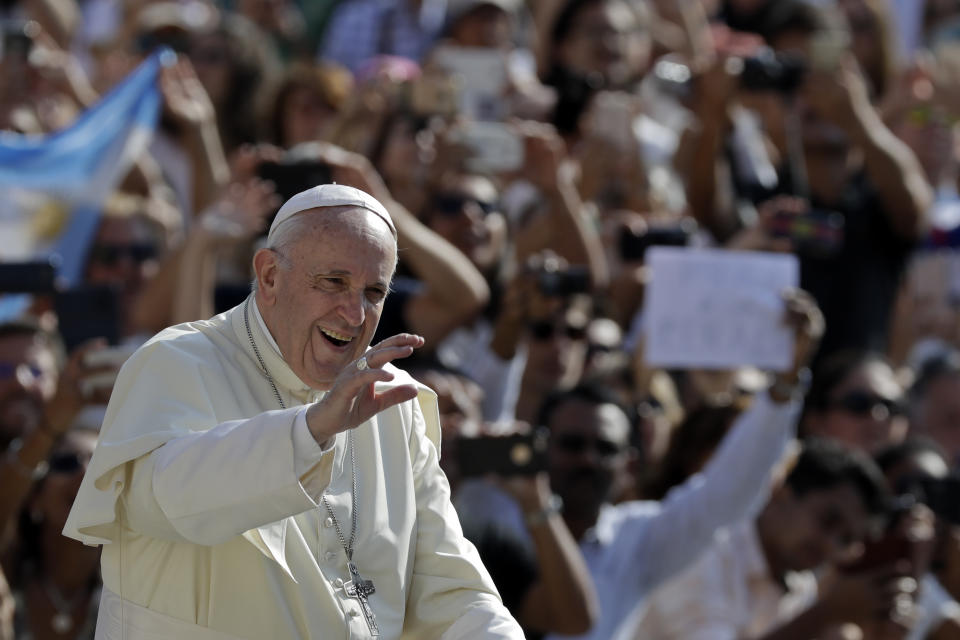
(771, 71)
(815, 233)
(291, 177)
(633, 246)
(17, 38)
(522, 454)
(84, 312)
(569, 281)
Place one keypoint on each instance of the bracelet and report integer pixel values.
(12, 458)
(554, 505)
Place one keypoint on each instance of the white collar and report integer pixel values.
(263, 327)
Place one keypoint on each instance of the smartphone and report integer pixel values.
(433, 94)
(514, 455)
(290, 178)
(85, 313)
(492, 147)
(633, 246)
(816, 232)
(482, 75)
(28, 277)
(570, 281)
(17, 38)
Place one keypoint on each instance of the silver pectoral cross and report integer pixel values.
(361, 589)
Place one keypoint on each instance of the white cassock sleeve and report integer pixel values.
(178, 458)
(451, 595)
(210, 486)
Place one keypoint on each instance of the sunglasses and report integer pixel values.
(452, 204)
(864, 403)
(573, 444)
(65, 463)
(10, 369)
(110, 254)
(544, 330)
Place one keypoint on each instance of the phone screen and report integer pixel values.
(86, 313)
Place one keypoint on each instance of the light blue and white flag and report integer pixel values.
(52, 187)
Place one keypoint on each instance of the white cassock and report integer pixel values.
(208, 531)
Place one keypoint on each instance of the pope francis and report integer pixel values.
(266, 474)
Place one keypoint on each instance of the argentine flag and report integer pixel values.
(53, 186)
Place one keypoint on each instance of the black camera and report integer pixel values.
(17, 38)
(83, 312)
(291, 177)
(512, 455)
(771, 71)
(569, 281)
(633, 246)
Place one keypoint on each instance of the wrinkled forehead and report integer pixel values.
(327, 232)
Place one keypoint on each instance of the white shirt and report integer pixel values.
(209, 532)
(728, 594)
(637, 546)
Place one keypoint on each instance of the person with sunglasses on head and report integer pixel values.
(856, 398)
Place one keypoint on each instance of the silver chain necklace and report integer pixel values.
(357, 587)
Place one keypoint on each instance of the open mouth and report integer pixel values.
(336, 339)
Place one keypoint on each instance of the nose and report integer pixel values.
(352, 308)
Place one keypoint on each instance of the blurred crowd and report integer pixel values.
(530, 153)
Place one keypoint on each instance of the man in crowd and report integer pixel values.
(263, 474)
(754, 582)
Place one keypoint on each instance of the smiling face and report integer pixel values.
(322, 293)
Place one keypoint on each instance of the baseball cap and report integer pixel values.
(329, 195)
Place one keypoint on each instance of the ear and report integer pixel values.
(266, 264)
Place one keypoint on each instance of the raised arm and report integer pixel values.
(893, 169)
(733, 485)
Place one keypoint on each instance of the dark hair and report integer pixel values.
(563, 23)
(394, 119)
(589, 392)
(701, 431)
(825, 464)
(831, 373)
(933, 369)
(892, 455)
(330, 81)
(789, 16)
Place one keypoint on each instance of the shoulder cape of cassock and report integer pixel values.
(190, 378)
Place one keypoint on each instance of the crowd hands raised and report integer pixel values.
(529, 154)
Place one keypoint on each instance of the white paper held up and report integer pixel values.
(718, 309)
